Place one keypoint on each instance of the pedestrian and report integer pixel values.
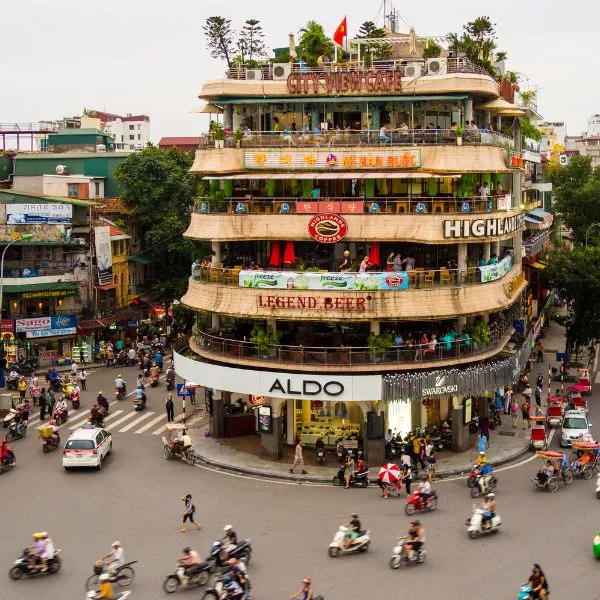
(514, 413)
(527, 393)
(525, 407)
(407, 476)
(74, 368)
(538, 395)
(192, 393)
(42, 401)
(540, 351)
(431, 460)
(169, 408)
(83, 378)
(188, 513)
(298, 458)
(540, 381)
(485, 429)
(33, 382)
(507, 399)
(81, 358)
(22, 387)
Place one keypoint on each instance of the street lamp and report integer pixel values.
(25, 236)
(587, 231)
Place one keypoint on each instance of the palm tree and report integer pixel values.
(313, 43)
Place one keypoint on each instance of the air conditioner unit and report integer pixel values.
(281, 71)
(437, 66)
(253, 74)
(412, 70)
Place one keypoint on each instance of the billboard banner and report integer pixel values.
(40, 214)
(103, 255)
(495, 271)
(292, 280)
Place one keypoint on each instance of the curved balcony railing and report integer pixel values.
(383, 205)
(356, 138)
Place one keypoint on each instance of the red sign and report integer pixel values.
(352, 207)
(327, 228)
(306, 206)
(311, 302)
(395, 279)
(329, 206)
(7, 325)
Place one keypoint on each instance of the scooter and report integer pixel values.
(477, 489)
(9, 418)
(242, 551)
(22, 568)
(75, 400)
(475, 524)
(414, 503)
(199, 577)
(51, 443)
(525, 592)
(16, 433)
(598, 486)
(596, 545)
(11, 383)
(120, 393)
(140, 403)
(359, 544)
(398, 557)
(9, 464)
(320, 450)
(360, 480)
(119, 596)
(154, 380)
(170, 381)
(473, 475)
(60, 417)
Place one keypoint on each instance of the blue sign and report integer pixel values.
(182, 391)
(63, 321)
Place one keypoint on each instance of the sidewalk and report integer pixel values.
(241, 455)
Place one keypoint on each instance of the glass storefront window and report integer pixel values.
(331, 421)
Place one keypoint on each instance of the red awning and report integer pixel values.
(108, 286)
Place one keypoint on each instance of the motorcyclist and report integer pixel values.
(488, 507)
(305, 592)
(229, 539)
(538, 582)
(60, 408)
(6, 453)
(102, 402)
(424, 489)
(353, 530)
(120, 384)
(25, 410)
(189, 561)
(116, 557)
(95, 415)
(104, 590)
(415, 537)
(158, 359)
(140, 394)
(485, 474)
(480, 459)
(49, 549)
(36, 551)
(52, 426)
(240, 572)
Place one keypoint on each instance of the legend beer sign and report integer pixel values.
(478, 228)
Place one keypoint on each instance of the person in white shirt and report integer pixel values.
(389, 436)
(424, 488)
(49, 549)
(83, 378)
(131, 355)
(116, 557)
(74, 368)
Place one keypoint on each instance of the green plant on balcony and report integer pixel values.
(215, 199)
(459, 135)
(480, 332)
(218, 131)
(264, 339)
(432, 49)
(312, 270)
(379, 345)
(238, 136)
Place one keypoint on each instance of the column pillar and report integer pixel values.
(496, 248)
(375, 327)
(460, 432)
(486, 252)
(376, 118)
(228, 116)
(315, 119)
(469, 110)
(215, 321)
(271, 444)
(216, 420)
(517, 249)
(216, 249)
(461, 322)
(461, 259)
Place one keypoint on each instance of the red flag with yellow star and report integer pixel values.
(340, 33)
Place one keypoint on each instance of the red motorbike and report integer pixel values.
(473, 475)
(415, 503)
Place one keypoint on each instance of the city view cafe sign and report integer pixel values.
(476, 228)
(373, 81)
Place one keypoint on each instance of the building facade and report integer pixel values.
(366, 229)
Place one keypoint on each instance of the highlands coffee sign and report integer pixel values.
(467, 228)
(372, 81)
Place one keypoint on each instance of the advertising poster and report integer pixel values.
(492, 272)
(265, 420)
(38, 214)
(103, 255)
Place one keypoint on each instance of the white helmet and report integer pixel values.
(104, 577)
(227, 528)
(116, 544)
(491, 496)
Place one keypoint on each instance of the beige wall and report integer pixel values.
(57, 185)
(435, 303)
(424, 229)
(28, 183)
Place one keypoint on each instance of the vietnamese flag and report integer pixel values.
(340, 33)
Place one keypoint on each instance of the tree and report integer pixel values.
(219, 38)
(575, 275)
(576, 191)
(251, 42)
(529, 130)
(314, 43)
(160, 189)
(432, 49)
(379, 50)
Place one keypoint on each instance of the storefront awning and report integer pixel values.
(43, 290)
(108, 287)
(540, 214)
(141, 259)
(537, 265)
(333, 175)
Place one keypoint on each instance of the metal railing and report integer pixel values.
(410, 68)
(382, 205)
(461, 346)
(25, 272)
(28, 127)
(535, 245)
(356, 138)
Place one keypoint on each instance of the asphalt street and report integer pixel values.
(135, 498)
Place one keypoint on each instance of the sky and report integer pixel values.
(149, 56)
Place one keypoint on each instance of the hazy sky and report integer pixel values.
(149, 56)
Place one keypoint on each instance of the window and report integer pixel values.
(122, 138)
(80, 444)
(97, 189)
(139, 126)
(73, 190)
(131, 127)
(114, 248)
(139, 136)
(121, 246)
(132, 137)
(131, 147)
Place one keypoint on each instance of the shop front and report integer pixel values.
(50, 339)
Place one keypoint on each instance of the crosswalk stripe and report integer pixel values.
(136, 422)
(161, 429)
(597, 380)
(37, 420)
(123, 419)
(151, 423)
(110, 416)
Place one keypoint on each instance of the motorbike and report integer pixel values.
(598, 486)
(121, 360)
(320, 451)
(475, 524)
(359, 544)
(596, 545)
(170, 381)
(495, 418)
(9, 418)
(473, 475)
(525, 592)
(360, 480)
(123, 575)
(11, 384)
(474, 425)
(11, 461)
(50, 443)
(242, 551)
(399, 557)
(139, 403)
(120, 393)
(60, 417)
(25, 366)
(16, 433)
(56, 384)
(119, 596)
(391, 450)
(21, 567)
(199, 576)
(75, 400)
(414, 503)
(154, 380)
(477, 489)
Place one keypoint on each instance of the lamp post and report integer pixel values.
(25, 236)
(588, 230)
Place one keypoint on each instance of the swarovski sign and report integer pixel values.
(477, 228)
(440, 388)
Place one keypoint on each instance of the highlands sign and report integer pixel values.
(467, 228)
(372, 81)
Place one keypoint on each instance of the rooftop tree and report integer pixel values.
(219, 38)
(251, 42)
(313, 43)
(380, 50)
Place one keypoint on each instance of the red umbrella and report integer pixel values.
(275, 259)
(374, 254)
(389, 473)
(289, 255)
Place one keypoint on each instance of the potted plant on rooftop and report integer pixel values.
(238, 136)
(265, 339)
(459, 135)
(218, 132)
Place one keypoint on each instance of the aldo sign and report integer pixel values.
(307, 387)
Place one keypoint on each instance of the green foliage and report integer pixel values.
(238, 135)
(480, 332)
(380, 344)
(219, 38)
(183, 318)
(264, 339)
(160, 189)
(511, 77)
(529, 130)
(251, 42)
(575, 275)
(313, 43)
(218, 131)
(379, 50)
(432, 49)
(459, 131)
(576, 192)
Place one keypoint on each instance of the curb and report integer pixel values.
(220, 466)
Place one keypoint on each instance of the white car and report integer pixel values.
(575, 423)
(88, 446)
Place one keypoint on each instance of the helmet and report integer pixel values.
(187, 550)
(104, 577)
(354, 515)
(119, 375)
(227, 528)
(44, 534)
(100, 393)
(37, 536)
(51, 422)
(482, 453)
(116, 544)
(307, 580)
(490, 496)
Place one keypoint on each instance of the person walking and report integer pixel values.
(42, 402)
(525, 407)
(407, 476)
(514, 413)
(507, 399)
(188, 513)
(192, 393)
(74, 368)
(538, 395)
(169, 408)
(298, 458)
(540, 351)
(83, 379)
(22, 387)
(485, 430)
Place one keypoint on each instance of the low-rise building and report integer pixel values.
(183, 144)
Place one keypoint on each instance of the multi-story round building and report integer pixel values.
(367, 250)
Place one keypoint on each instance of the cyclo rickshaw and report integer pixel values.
(585, 458)
(556, 411)
(539, 439)
(575, 399)
(173, 444)
(583, 381)
(554, 471)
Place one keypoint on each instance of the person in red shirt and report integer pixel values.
(6, 453)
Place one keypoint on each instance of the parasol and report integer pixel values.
(293, 53)
(412, 41)
(389, 473)
(374, 257)
(275, 259)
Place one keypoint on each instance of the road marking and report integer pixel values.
(152, 423)
(123, 419)
(194, 420)
(108, 418)
(597, 379)
(136, 422)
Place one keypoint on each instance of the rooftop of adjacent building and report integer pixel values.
(106, 117)
(14, 196)
(178, 142)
